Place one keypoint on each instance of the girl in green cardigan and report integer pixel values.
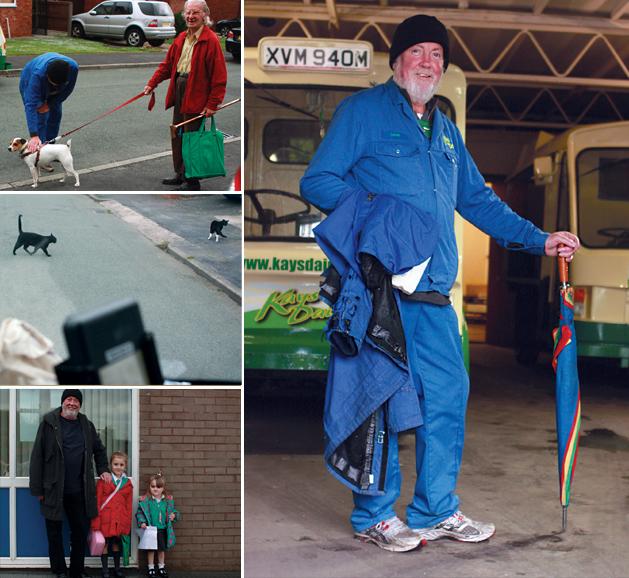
(156, 508)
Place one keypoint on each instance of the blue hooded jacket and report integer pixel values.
(36, 90)
(370, 390)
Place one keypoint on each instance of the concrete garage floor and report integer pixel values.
(296, 515)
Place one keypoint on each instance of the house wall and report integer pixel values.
(219, 9)
(193, 436)
(20, 20)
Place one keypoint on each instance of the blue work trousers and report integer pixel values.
(439, 374)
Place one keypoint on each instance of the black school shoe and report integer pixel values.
(152, 573)
(172, 181)
(162, 573)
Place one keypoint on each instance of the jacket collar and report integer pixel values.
(400, 97)
(53, 418)
(202, 37)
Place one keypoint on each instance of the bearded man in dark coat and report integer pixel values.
(62, 477)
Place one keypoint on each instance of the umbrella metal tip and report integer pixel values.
(564, 518)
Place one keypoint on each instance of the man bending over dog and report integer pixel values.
(45, 83)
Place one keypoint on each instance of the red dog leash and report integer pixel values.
(65, 134)
(136, 97)
(150, 107)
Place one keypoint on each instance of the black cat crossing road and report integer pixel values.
(216, 228)
(35, 240)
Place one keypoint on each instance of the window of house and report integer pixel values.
(109, 410)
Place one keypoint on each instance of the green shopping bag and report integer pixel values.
(203, 152)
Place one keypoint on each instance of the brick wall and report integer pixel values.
(219, 9)
(20, 20)
(21, 25)
(193, 436)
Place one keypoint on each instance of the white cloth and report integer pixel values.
(409, 281)
(26, 356)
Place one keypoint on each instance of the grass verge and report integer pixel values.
(34, 45)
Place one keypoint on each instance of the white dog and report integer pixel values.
(45, 155)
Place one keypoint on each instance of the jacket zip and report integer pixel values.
(57, 428)
(365, 478)
(384, 462)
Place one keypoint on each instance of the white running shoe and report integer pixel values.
(393, 535)
(458, 527)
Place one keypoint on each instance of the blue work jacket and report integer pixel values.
(375, 144)
(35, 90)
(369, 391)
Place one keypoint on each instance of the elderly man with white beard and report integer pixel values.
(62, 477)
(392, 140)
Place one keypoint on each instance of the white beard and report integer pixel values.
(70, 413)
(418, 92)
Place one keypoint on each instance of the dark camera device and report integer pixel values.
(109, 346)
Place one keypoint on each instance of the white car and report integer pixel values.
(134, 21)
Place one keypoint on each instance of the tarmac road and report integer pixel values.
(220, 262)
(126, 151)
(100, 258)
(297, 515)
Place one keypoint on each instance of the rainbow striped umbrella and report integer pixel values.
(567, 396)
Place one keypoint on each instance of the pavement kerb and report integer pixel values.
(107, 166)
(174, 245)
(16, 71)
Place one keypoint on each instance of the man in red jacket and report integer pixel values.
(195, 66)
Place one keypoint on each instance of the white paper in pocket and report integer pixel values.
(409, 281)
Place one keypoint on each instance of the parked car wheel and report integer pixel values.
(156, 42)
(222, 27)
(77, 30)
(232, 43)
(134, 37)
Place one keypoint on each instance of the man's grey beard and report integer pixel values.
(69, 413)
(418, 94)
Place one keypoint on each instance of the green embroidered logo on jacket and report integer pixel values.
(448, 142)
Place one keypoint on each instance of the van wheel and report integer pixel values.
(134, 37)
(156, 42)
(77, 30)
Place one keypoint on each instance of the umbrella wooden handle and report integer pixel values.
(187, 121)
(562, 263)
(220, 107)
(174, 127)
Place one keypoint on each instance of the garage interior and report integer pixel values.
(530, 65)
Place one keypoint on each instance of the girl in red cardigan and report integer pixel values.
(114, 519)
